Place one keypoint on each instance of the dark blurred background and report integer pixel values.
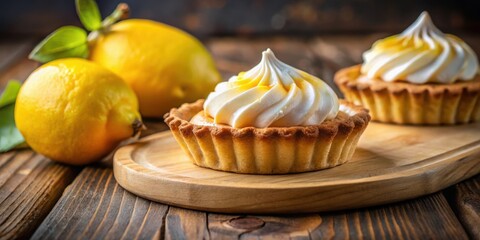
(205, 18)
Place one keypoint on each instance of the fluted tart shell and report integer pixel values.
(402, 102)
(272, 150)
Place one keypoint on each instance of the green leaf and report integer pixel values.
(89, 14)
(10, 137)
(10, 93)
(65, 42)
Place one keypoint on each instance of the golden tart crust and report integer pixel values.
(407, 103)
(273, 150)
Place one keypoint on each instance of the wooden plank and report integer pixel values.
(186, 224)
(465, 201)
(30, 185)
(262, 227)
(96, 207)
(422, 218)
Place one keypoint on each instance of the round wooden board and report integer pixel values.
(391, 163)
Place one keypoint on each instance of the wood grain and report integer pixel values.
(416, 219)
(262, 227)
(417, 161)
(465, 201)
(186, 224)
(406, 220)
(30, 185)
(95, 207)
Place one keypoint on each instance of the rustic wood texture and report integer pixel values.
(407, 220)
(30, 185)
(96, 207)
(465, 201)
(186, 224)
(410, 165)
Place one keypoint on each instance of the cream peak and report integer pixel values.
(268, 53)
(269, 56)
(422, 25)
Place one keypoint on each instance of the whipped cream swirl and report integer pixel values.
(421, 54)
(272, 94)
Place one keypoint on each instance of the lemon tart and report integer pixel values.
(421, 76)
(272, 119)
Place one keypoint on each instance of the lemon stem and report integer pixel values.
(138, 126)
(121, 12)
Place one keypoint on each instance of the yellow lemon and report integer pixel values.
(164, 65)
(75, 111)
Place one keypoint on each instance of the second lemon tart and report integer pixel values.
(421, 76)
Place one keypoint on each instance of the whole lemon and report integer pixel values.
(164, 65)
(75, 111)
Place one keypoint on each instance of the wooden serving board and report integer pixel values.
(391, 163)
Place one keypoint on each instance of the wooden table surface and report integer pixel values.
(45, 200)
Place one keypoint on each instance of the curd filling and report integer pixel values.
(421, 54)
(272, 94)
